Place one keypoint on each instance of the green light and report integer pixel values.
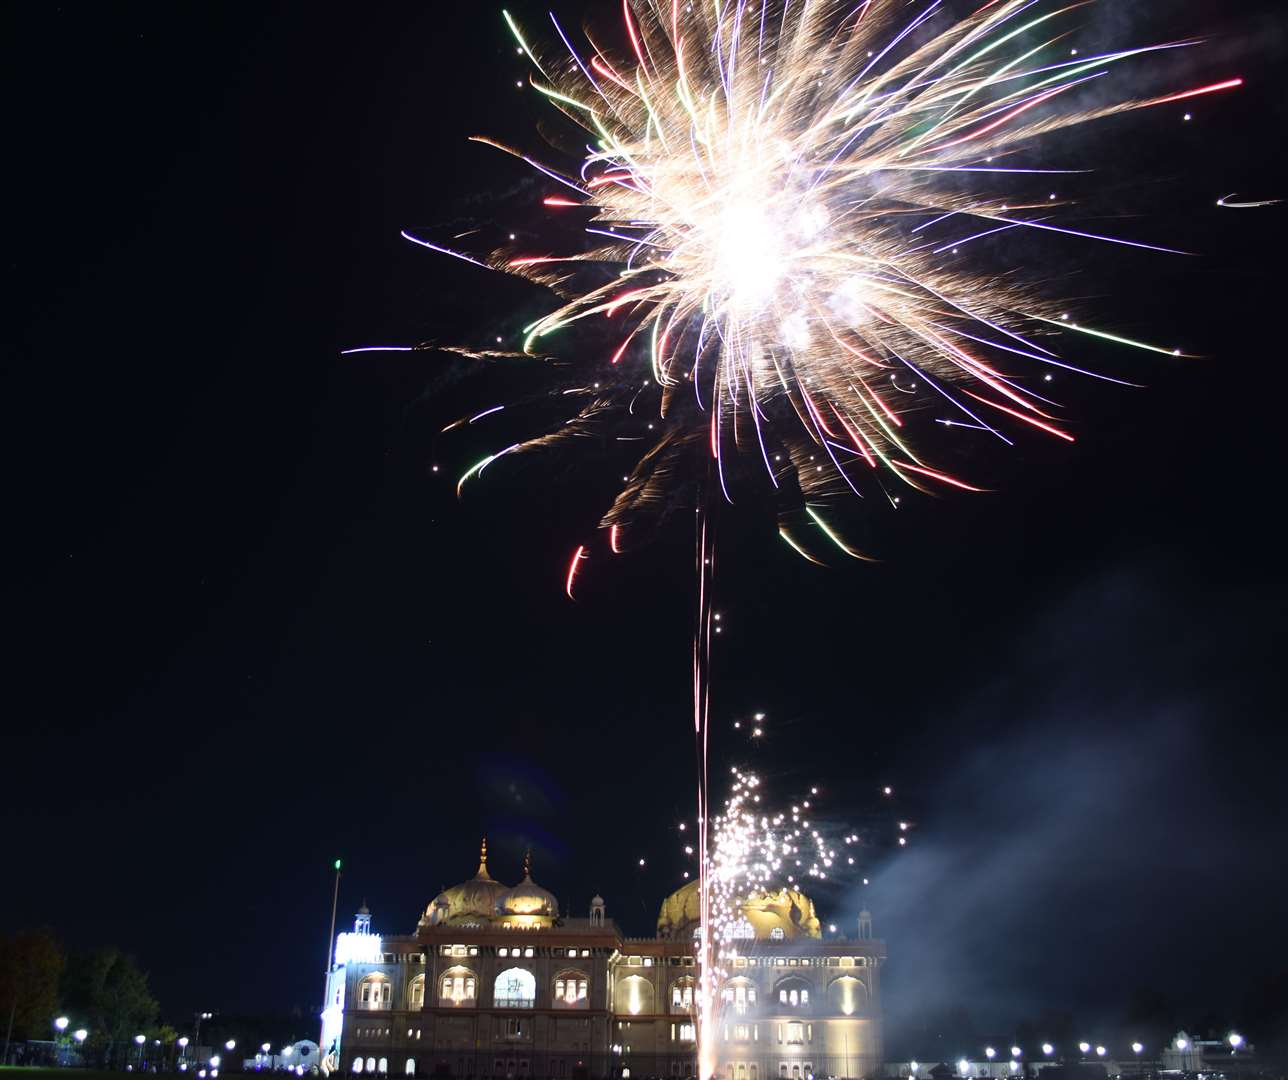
(337, 864)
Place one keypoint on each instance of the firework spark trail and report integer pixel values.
(769, 204)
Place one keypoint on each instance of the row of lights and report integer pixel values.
(1234, 1039)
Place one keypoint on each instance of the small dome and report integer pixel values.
(527, 897)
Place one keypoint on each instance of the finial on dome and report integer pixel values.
(527, 863)
(483, 859)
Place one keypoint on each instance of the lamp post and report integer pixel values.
(60, 1025)
(139, 1041)
(196, 1029)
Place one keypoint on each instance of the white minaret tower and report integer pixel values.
(865, 925)
(597, 910)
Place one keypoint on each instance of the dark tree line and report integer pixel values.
(102, 991)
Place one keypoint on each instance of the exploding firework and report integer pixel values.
(779, 208)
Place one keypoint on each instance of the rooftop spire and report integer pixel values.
(483, 861)
(527, 863)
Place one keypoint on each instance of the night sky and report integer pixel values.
(252, 630)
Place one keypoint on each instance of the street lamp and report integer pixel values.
(1016, 1051)
(1100, 1051)
(230, 1045)
(1048, 1049)
(1235, 1040)
(990, 1053)
(80, 1035)
(140, 1040)
(1084, 1047)
(214, 1062)
(61, 1024)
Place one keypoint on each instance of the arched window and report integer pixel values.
(457, 986)
(847, 995)
(371, 1064)
(410, 1070)
(777, 934)
(743, 930)
(374, 992)
(515, 988)
(357, 1064)
(682, 991)
(416, 992)
(383, 1066)
(571, 990)
(635, 994)
(793, 993)
(740, 994)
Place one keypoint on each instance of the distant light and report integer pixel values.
(1084, 1046)
(214, 1062)
(337, 861)
(1015, 1065)
(760, 716)
(230, 1044)
(831, 928)
(913, 1066)
(61, 1023)
(80, 1035)
(1236, 1040)
(1188, 116)
(963, 1066)
(1100, 1051)
(1136, 1047)
(286, 1051)
(1182, 1044)
(1047, 1048)
(140, 1039)
(990, 1053)
(265, 1048)
(641, 862)
(887, 790)
(1016, 1051)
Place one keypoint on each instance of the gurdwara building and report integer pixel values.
(496, 982)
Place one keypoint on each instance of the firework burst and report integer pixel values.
(779, 208)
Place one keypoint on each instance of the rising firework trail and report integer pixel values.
(791, 214)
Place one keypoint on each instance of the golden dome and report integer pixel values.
(766, 910)
(471, 901)
(528, 898)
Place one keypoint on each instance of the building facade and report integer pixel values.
(495, 982)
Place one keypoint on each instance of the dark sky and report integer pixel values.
(251, 630)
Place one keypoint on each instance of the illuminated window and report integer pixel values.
(502, 951)
(585, 952)
(743, 930)
(416, 993)
(795, 1033)
(571, 989)
(371, 1064)
(410, 1070)
(528, 951)
(458, 987)
(682, 994)
(515, 988)
(776, 934)
(374, 992)
(357, 1064)
(383, 1066)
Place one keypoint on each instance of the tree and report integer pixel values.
(107, 987)
(31, 966)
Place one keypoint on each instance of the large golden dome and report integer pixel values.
(764, 911)
(475, 900)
